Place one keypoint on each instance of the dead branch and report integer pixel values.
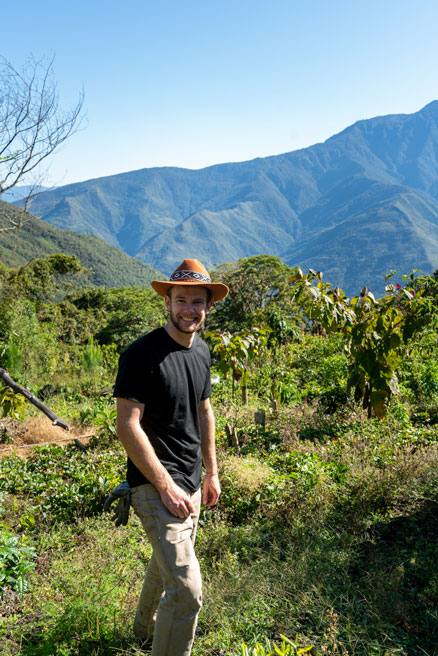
(16, 223)
(17, 389)
(32, 125)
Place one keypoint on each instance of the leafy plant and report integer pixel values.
(11, 404)
(236, 352)
(377, 331)
(62, 483)
(287, 648)
(103, 417)
(15, 562)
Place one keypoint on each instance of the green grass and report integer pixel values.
(331, 540)
(326, 531)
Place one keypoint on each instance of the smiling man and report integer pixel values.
(166, 424)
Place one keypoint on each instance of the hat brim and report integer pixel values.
(218, 289)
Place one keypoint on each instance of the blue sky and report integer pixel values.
(192, 83)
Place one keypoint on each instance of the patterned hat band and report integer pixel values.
(183, 274)
(191, 271)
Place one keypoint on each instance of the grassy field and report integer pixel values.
(325, 538)
(326, 532)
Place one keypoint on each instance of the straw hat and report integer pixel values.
(191, 272)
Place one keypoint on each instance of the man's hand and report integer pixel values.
(211, 489)
(176, 500)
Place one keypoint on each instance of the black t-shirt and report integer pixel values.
(170, 380)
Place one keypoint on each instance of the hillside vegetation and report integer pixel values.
(109, 266)
(325, 537)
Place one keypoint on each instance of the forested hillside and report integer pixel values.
(325, 538)
(109, 266)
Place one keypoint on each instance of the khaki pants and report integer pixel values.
(170, 599)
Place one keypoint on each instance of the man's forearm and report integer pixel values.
(141, 452)
(208, 439)
(211, 486)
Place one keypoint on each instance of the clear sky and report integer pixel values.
(192, 83)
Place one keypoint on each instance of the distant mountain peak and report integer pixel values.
(363, 202)
(430, 108)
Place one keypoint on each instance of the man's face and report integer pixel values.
(187, 307)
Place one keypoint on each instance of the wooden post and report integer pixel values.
(232, 438)
(260, 418)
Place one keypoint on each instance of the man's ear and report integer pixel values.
(208, 308)
(167, 301)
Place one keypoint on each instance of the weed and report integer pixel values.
(286, 648)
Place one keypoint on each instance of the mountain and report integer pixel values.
(387, 227)
(21, 193)
(111, 267)
(363, 202)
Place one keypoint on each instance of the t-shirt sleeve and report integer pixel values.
(207, 385)
(131, 380)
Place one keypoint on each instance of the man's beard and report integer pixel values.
(179, 324)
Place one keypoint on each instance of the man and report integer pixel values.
(166, 424)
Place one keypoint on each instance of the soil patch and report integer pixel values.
(20, 437)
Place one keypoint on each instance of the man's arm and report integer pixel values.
(211, 486)
(142, 454)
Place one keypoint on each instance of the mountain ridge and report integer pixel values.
(280, 204)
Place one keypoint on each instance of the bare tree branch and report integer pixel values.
(15, 224)
(17, 389)
(32, 125)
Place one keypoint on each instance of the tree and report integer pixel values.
(43, 277)
(236, 352)
(114, 316)
(257, 284)
(32, 125)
